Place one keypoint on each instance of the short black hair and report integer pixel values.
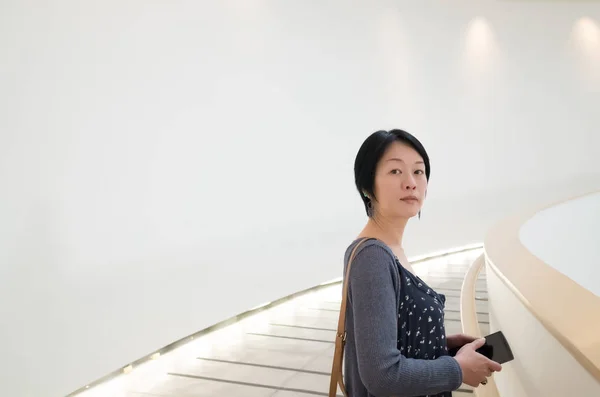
(370, 153)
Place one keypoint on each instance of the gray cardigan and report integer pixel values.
(373, 365)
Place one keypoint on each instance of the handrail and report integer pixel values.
(469, 320)
(567, 310)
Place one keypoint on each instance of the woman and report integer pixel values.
(396, 343)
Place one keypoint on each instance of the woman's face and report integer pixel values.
(400, 182)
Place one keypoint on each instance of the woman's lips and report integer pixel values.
(410, 199)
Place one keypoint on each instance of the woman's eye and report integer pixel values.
(396, 172)
(419, 172)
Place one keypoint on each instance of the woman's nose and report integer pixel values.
(410, 184)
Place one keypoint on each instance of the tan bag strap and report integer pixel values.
(340, 338)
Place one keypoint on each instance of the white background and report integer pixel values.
(166, 165)
(567, 237)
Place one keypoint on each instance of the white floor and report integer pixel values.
(285, 351)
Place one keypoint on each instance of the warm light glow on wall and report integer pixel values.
(480, 39)
(586, 34)
(586, 37)
(480, 55)
(585, 40)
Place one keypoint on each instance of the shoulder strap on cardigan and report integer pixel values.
(340, 338)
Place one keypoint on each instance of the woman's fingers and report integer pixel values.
(494, 366)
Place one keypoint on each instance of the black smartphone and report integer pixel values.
(496, 348)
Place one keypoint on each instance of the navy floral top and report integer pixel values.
(421, 332)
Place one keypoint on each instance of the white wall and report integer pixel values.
(166, 165)
(566, 237)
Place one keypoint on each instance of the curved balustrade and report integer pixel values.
(551, 321)
(469, 319)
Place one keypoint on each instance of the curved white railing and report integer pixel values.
(551, 321)
(469, 320)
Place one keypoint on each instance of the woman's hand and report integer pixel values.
(476, 368)
(457, 341)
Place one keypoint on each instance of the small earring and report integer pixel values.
(419, 215)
